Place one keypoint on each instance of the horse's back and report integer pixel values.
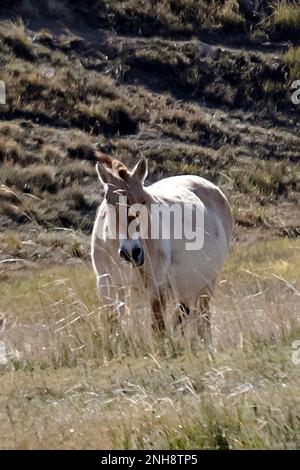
(208, 193)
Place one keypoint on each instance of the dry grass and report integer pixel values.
(32, 179)
(166, 17)
(231, 17)
(268, 179)
(65, 103)
(292, 60)
(9, 150)
(12, 131)
(17, 39)
(66, 360)
(62, 95)
(7, 194)
(72, 377)
(52, 154)
(81, 148)
(286, 15)
(180, 16)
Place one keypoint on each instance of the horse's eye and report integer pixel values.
(144, 203)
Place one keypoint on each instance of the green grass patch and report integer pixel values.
(286, 15)
(292, 59)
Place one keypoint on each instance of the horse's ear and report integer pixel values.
(104, 173)
(140, 170)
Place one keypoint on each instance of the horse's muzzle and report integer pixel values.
(135, 257)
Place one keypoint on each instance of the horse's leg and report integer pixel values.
(182, 313)
(205, 322)
(158, 304)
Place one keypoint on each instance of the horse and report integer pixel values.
(126, 252)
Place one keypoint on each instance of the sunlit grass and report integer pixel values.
(75, 378)
(287, 15)
(292, 60)
(278, 257)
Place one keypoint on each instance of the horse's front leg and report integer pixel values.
(205, 322)
(158, 304)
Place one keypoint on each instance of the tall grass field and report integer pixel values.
(74, 377)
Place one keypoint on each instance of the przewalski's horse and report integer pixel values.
(127, 252)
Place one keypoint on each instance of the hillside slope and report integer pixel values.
(196, 87)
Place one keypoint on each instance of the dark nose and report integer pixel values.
(136, 252)
(123, 253)
(136, 256)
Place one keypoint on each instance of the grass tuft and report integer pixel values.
(286, 16)
(10, 150)
(18, 40)
(68, 353)
(292, 60)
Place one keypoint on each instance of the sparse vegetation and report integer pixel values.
(81, 149)
(97, 103)
(9, 150)
(231, 17)
(107, 96)
(292, 60)
(199, 87)
(286, 17)
(52, 154)
(268, 179)
(60, 342)
(16, 38)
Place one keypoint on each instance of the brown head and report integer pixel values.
(127, 202)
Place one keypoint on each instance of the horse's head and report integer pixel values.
(127, 203)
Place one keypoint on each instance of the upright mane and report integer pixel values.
(117, 168)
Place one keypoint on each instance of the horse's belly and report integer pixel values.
(193, 271)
